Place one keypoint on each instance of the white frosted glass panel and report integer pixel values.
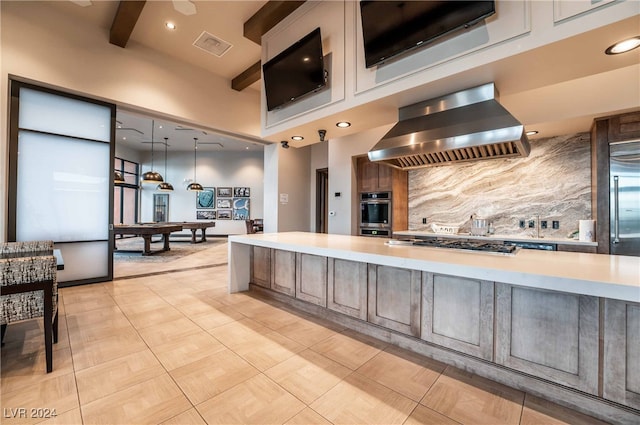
(63, 189)
(61, 115)
(84, 260)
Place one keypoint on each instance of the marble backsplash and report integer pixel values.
(553, 182)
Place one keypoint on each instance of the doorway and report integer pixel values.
(322, 200)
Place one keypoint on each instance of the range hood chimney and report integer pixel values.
(464, 126)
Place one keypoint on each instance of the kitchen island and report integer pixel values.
(561, 325)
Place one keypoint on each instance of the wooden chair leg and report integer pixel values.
(3, 330)
(55, 328)
(48, 326)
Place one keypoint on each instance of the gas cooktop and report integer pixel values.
(482, 246)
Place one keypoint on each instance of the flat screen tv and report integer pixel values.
(390, 28)
(295, 72)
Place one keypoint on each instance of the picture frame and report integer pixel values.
(224, 192)
(224, 214)
(241, 192)
(206, 199)
(224, 203)
(241, 208)
(206, 215)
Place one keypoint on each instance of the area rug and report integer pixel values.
(130, 249)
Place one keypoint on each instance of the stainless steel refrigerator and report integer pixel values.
(625, 198)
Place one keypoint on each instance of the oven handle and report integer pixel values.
(616, 211)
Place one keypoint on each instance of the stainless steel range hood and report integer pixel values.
(465, 126)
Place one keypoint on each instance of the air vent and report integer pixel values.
(212, 44)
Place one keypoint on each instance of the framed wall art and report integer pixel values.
(241, 192)
(223, 203)
(206, 198)
(224, 214)
(225, 192)
(240, 208)
(206, 215)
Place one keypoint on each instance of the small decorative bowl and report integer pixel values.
(445, 229)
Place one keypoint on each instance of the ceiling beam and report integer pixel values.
(247, 77)
(267, 17)
(124, 21)
(255, 27)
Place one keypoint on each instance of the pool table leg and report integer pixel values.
(147, 244)
(165, 239)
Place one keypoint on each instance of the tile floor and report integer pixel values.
(175, 348)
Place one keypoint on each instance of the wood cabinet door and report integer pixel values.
(261, 266)
(394, 298)
(622, 352)
(311, 278)
(283, 272)
(457, 313)
(624, 127)
(347, 287)
(368, 174)
(550, 334)
(385, 177)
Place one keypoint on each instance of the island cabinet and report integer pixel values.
(260, 264)
(394, 298)
(549, 334)
(457, 313)
(311, 278)
(347, 287)
(621, 367)
(283, 271)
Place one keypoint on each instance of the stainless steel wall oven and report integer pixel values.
(375, 213)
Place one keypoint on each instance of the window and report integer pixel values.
(125, 195)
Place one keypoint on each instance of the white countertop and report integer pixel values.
(428, 234)
(609, 276)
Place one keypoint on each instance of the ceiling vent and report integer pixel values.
(212, 44)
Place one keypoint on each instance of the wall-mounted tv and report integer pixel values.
(295, 72)
(390, 28)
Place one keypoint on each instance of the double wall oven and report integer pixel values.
(375, 214)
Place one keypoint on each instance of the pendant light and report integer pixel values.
(196, 187)
(152, 176)
(165, 186)
(118, 178)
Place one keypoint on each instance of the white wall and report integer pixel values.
(293, 181)
(342, 177)
(214, 169)
(39, 44)
(319, 160)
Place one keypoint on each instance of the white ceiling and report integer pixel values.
(557, 89)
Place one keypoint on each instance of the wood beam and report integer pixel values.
(124, 21)
(267, 17)
(247, 77)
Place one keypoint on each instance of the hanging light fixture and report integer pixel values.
(118, 178)
(165, 186)
(196, 187)
(152, 176)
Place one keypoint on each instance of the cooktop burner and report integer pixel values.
(493, 247)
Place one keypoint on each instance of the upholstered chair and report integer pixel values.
(29, 289)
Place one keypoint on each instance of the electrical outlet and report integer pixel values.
(521, 224)
(543, 224)
(424, 221)
(532, 224)
(556, 224)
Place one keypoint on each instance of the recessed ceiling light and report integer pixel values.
(247, 148)
(623, 46)
(159, 126)
(124, 138)
(170, 25)
(343, 124)
(298, 138)
(531, 133)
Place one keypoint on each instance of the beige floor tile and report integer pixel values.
(359, 400)
(308, 417)
(267, 350)
(116, 375)
(88, 302)
(307, 332)
(190, 417)
(19, 371)
(422, 415)
(212, 375)
(239, 332)
(165, 332)
(71, 417)
(308, 375)
(470, 399)
(144, 319)
(538, 411)
(110, 314)
(407, 373)
(213, 319)
(181, 351)
(256, 401)
(349, 349)
(266, 314)
(27, 337)
(93, 353)
(58, 393)
(149, 402)
(99, 330)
